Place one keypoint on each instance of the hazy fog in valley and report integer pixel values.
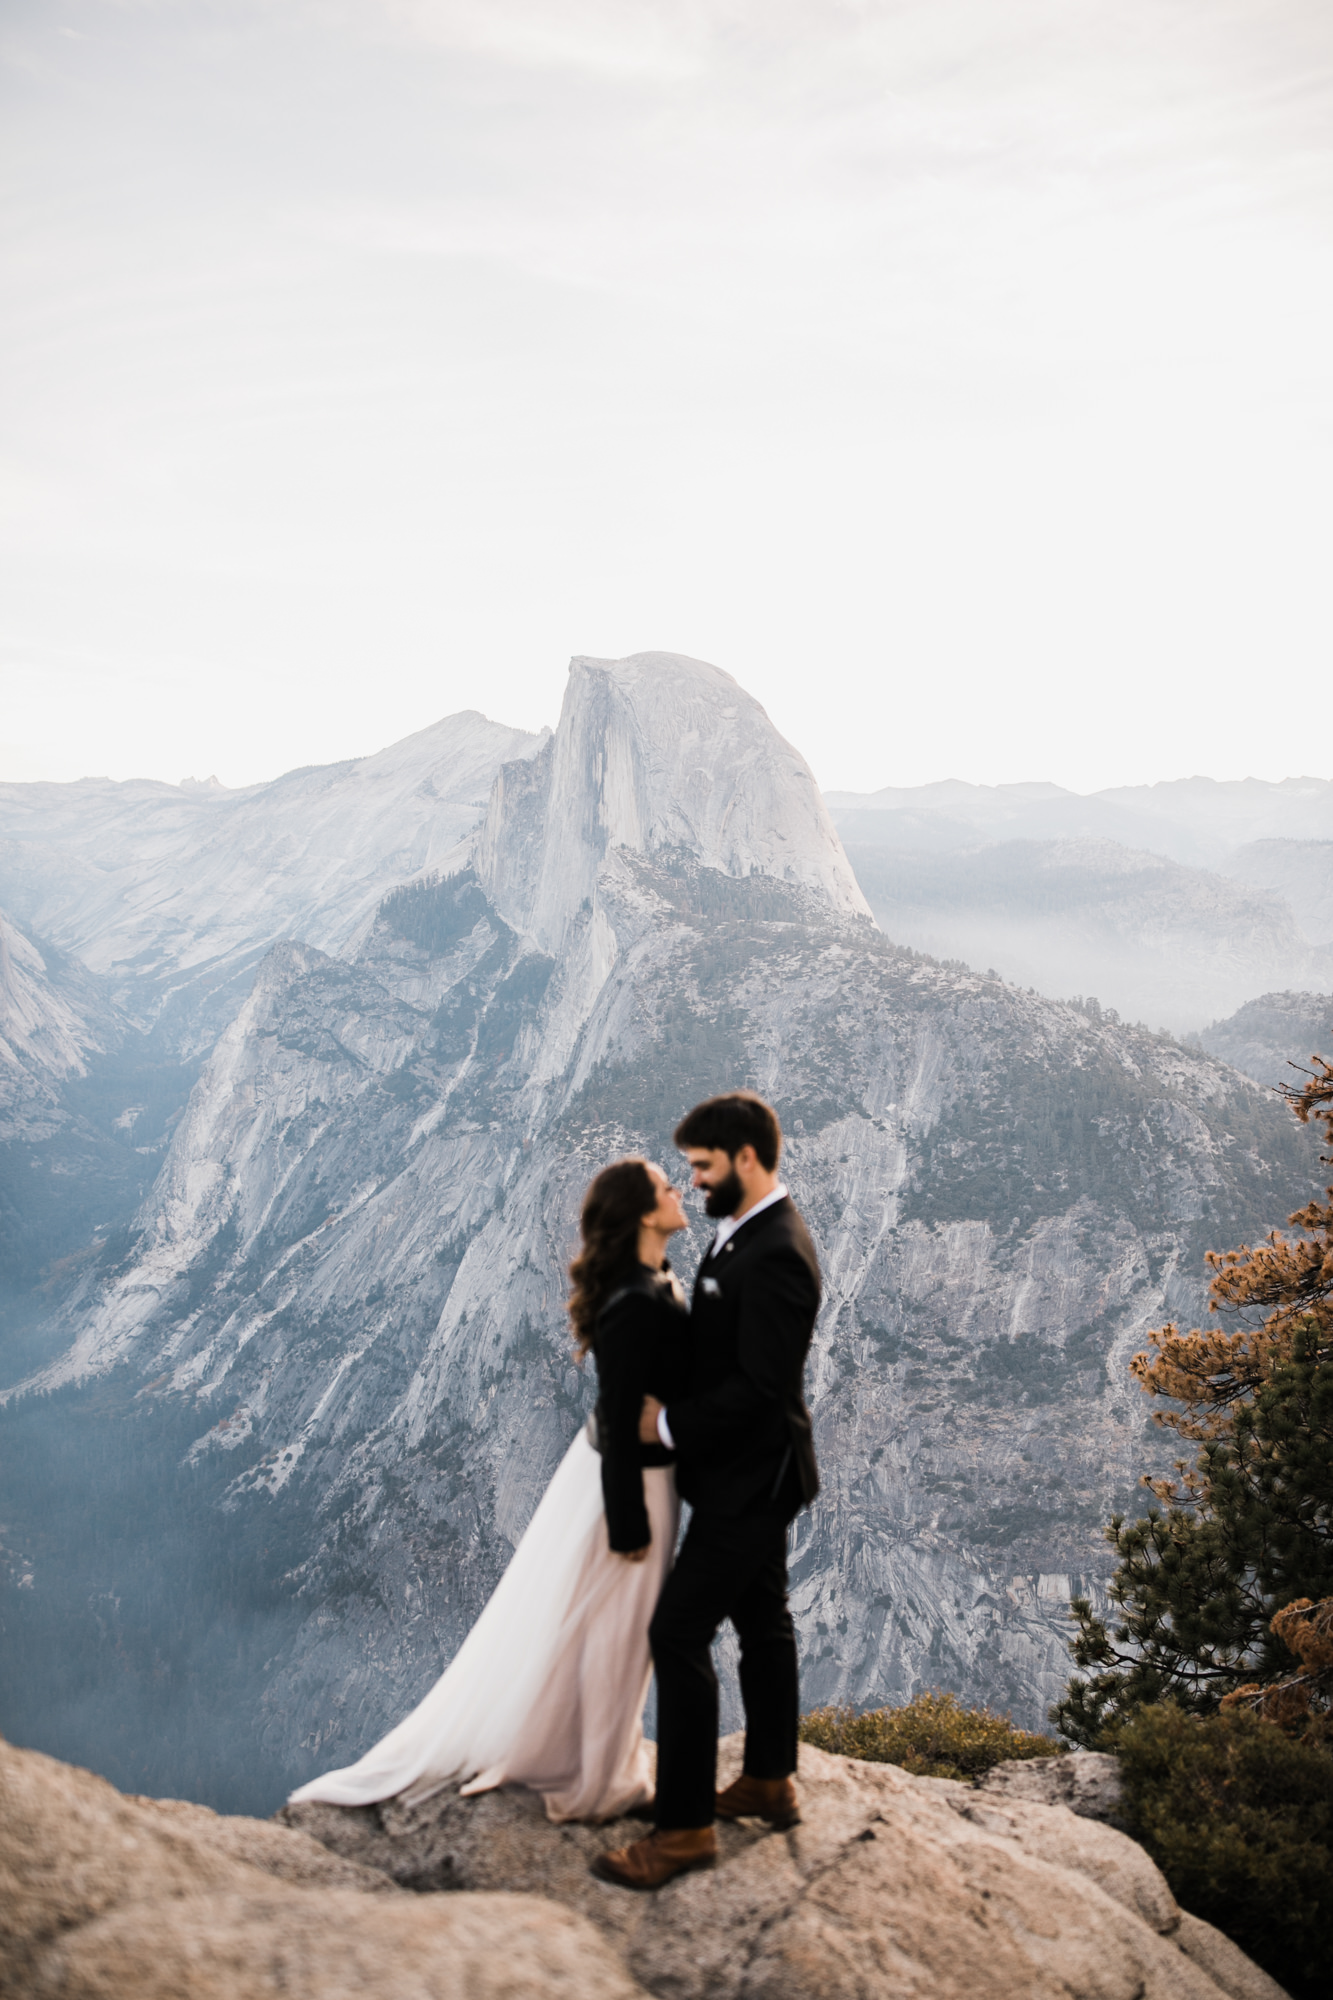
(1174, 903)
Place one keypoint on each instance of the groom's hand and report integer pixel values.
(635, 1555)
(648, 1421)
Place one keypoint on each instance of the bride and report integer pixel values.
(548, 1688)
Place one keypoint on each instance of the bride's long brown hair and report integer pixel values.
(616, 1202)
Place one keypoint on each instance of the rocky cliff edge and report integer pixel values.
(892, 1886)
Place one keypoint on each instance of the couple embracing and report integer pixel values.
(702, 1403)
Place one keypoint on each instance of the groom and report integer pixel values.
(746, 1464)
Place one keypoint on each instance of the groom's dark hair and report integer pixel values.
(728, 1123)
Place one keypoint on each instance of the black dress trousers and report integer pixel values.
(729, 1566)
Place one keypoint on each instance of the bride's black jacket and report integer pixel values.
(641, 1347)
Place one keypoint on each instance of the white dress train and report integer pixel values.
(548, 1688)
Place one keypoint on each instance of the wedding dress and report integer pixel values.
(548, 1688)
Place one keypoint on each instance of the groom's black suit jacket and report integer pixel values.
(743, 1434)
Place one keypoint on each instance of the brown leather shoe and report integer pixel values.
(647, 1864)
(771, 1799)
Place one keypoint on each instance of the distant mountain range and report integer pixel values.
(1175, 904)
(1198, 821)
(301, 1100)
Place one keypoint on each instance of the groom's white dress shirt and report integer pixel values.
(726, 1229)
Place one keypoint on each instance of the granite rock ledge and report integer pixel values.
(892, 1886)
(104, 1897)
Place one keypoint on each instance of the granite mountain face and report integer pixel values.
(173, 893)
(332, 1342)
(142, 911)
(654, 754)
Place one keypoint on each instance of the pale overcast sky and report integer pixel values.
(956, 373)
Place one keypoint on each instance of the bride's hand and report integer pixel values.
(635, 1555)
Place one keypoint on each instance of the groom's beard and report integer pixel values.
(725, 1198)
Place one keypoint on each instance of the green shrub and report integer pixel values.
(1239, 1818)
(932, 1736)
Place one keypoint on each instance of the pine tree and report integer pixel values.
(1248, 1526)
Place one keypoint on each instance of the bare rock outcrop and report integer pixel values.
(893, 1886)
(1087, 1781)
(104, 1897)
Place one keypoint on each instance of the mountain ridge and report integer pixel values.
(176, 910)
